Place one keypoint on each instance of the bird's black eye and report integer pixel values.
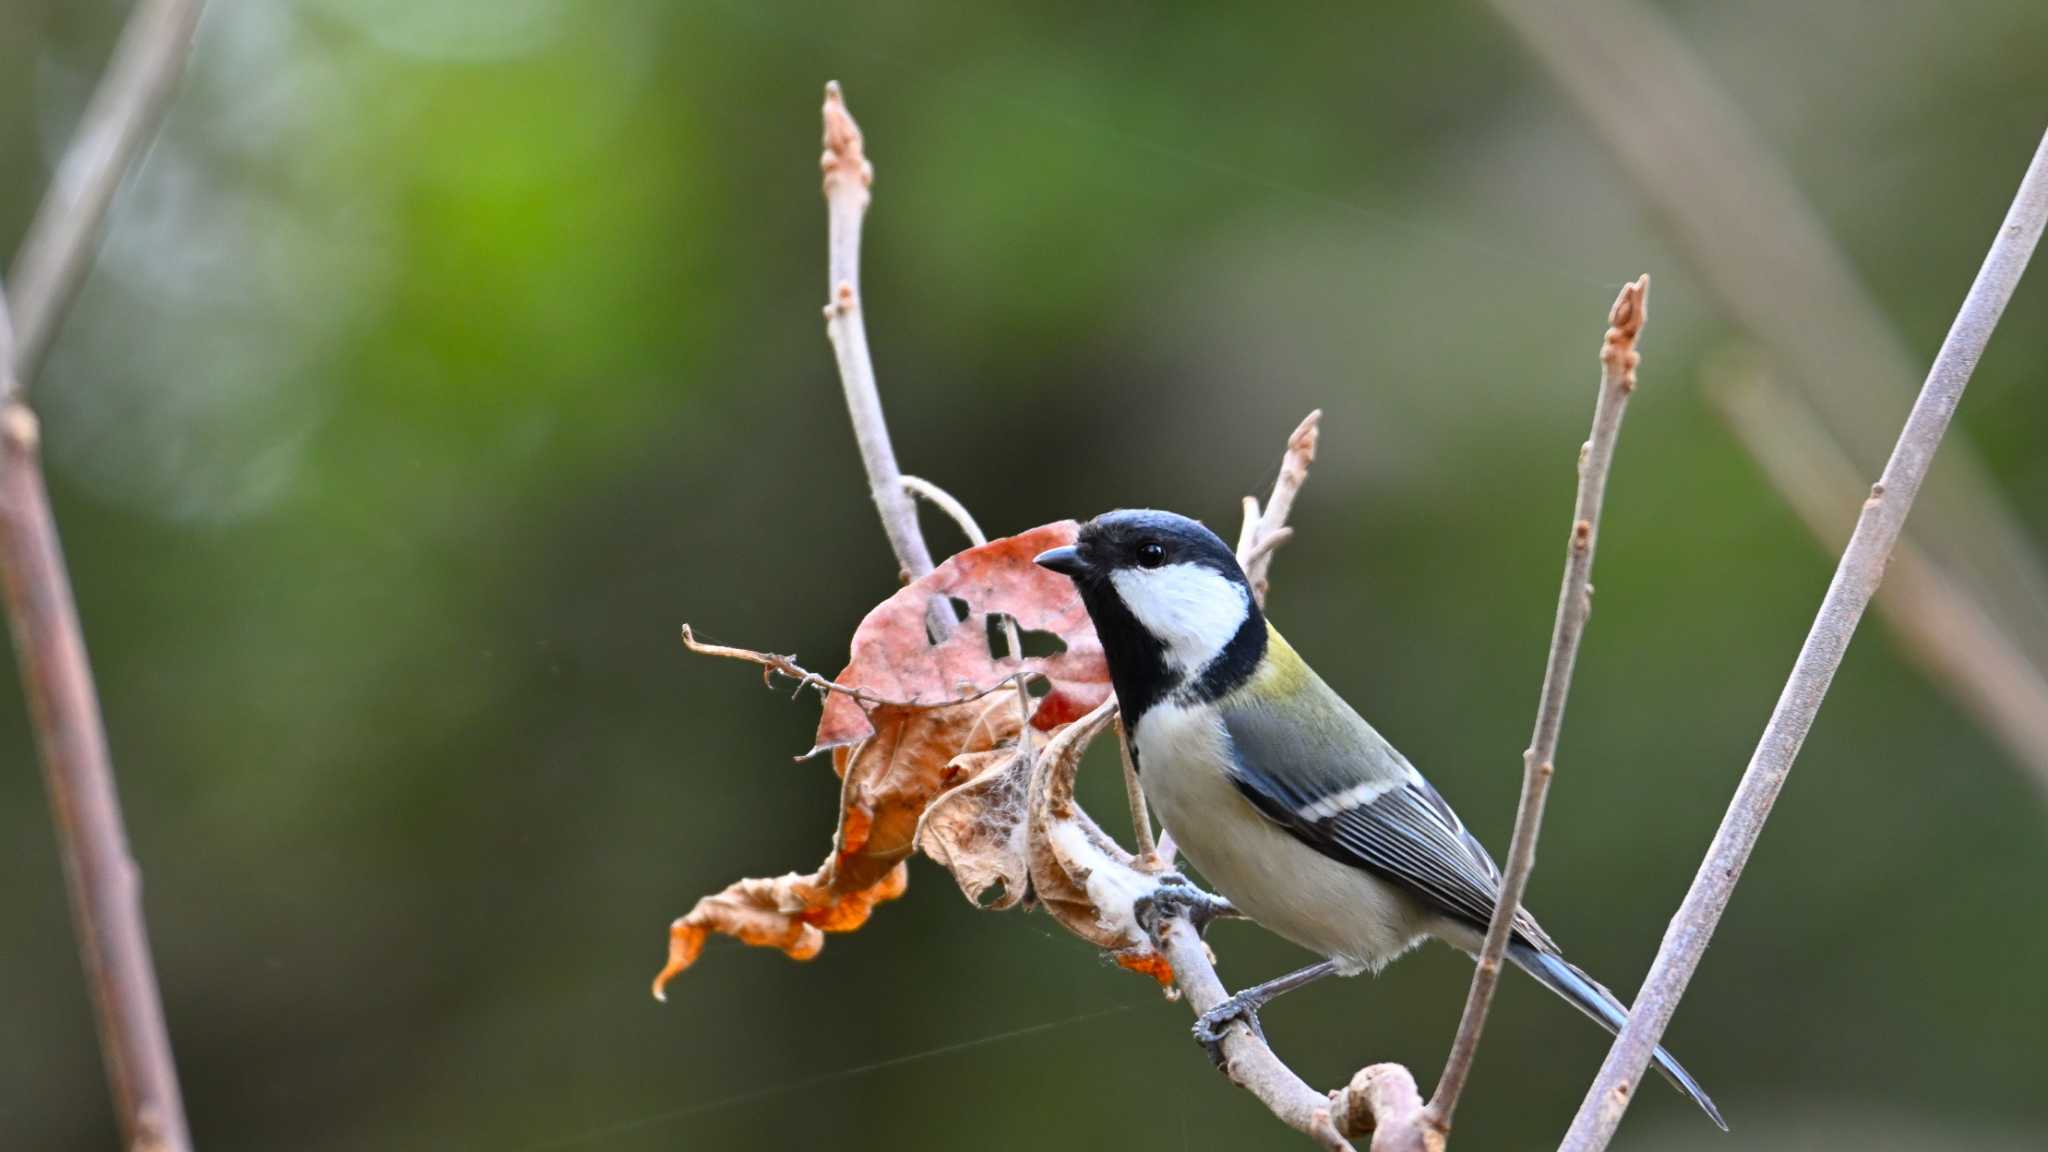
(1151, 554)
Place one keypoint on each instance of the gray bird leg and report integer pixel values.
(1245, 1006)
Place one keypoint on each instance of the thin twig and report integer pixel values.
(1618, 359)
(119, 122)
(1941, 623)
(1248, 531)
(1146, 848)
(945, 502)
(1855, 581)
(1740, 215)
(847, 177)
(775, 664)
(1257, 561)
(104, 883)
(1270, 543)
(101, 877)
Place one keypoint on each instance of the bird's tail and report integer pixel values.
(1591, 997)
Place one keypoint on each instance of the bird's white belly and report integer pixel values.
(1341, 912)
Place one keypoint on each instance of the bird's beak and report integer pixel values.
(1066, 561)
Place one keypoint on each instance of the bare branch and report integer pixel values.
(100, 874)
(1143, 844)
(1270, 543)
(945, 502)
(1740, 215)
(1247, 1059)
(1256, 560)
(847, 177)
(1942, 624)
(1248, 532)
(101, 877)
(120, 120)
(1618, 360)
(1382, 1099)
(1856, 580)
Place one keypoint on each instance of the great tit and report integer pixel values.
(1291, 805)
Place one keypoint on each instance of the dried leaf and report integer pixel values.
(889, 779)
(928, 717)
(789, 912)
(1082, 876)
(894, 658)
(976, 829)
(893, 775)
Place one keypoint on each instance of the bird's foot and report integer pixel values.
(1176, 897)
(1214, 1025)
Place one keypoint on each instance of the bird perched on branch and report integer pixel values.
(1285, 798)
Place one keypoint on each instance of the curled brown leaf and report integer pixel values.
(903, 721)
(1080, 874)
(977, 828)
(788, 912)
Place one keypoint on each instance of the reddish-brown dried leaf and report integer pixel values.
(892, 776)
(889, 779)
(894, 658)
(791, 912)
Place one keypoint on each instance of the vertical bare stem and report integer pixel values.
(1618, 359)
(122, 117)
(1144, 846)
(1856, 579)
(847, 177)
(103, 882)
(1258, 539)
(104, 885)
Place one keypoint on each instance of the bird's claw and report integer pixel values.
(1214, 1025)
(1174, 896)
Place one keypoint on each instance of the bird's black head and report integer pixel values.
(1173, 609)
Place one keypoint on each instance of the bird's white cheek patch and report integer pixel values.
(1192, 610)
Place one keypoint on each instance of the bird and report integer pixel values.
(1294, 807)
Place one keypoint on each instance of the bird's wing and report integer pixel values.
(1316, 768)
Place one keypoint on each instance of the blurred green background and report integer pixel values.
(443, 357)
